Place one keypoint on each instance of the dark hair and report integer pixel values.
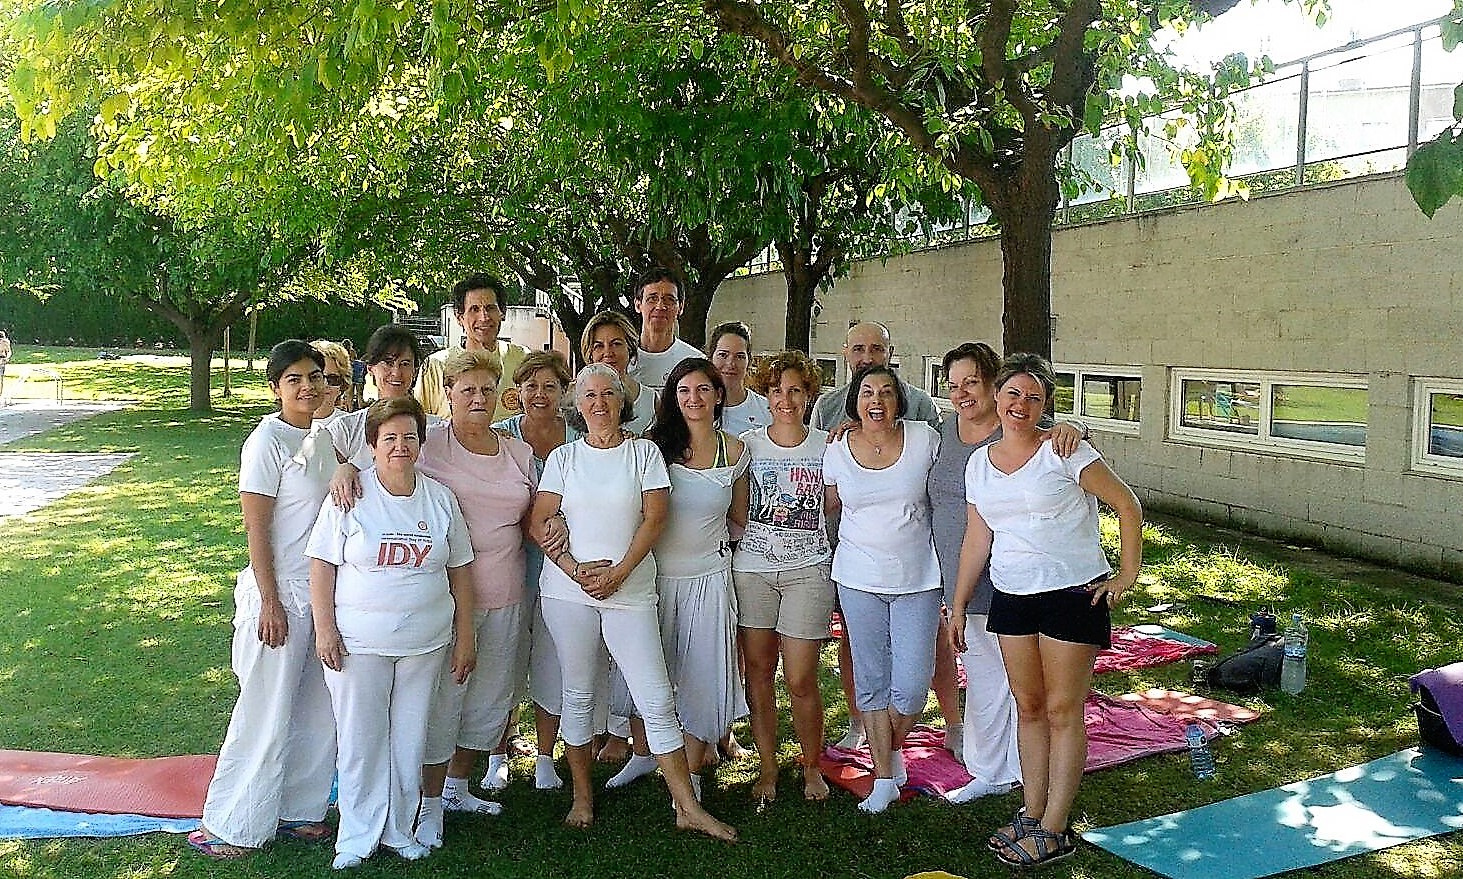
(1034, 365)
(987, 361)
(287, 354)
(383, 411)
(480, 281)
(850, 402)
(768, 371)
(654, 275)
(670, 431)
(627, 406)
(393, 339)
(735, 327)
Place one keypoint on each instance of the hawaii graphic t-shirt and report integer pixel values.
(786, 529)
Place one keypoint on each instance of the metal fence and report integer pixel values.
(1354, 110)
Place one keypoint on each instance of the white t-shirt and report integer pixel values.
(1044, 525)
(391, 556)
(644, 411)
(293, 466)
(885, 542)
(348, 434)
(786, 529)
(750, 414)
(651, 368)
(601, 500)
(695, 541)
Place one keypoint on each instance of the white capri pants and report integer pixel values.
(990, 709)
(278, 757)
(892, 638)
(381, 705)
(474, 714)
(632, 636)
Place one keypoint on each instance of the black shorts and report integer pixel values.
(1063, 614)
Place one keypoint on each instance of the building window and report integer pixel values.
(935, 384)
(1309, 414)
(1108, 398)
(829, 367)
(1438, 426)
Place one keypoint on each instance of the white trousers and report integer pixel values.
(474, 714)
(632, 637)
(278, 757)
(990, 709)
(381, 705)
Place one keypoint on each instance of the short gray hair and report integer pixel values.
(617, 384)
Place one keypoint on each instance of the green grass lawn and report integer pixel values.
(114, 634)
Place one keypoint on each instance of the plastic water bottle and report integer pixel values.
(1293, 668)
(1201, 759)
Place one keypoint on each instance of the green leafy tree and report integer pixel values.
(1435, 170)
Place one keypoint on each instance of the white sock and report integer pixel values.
(636, 767)
(974, 790)
(885, 792)
(457, 798)
(544, 775)
(854, 738)
(899, 775)
(955, 739)
(496, 777)
(429, 822)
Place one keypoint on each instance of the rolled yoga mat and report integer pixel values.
(1407, 796)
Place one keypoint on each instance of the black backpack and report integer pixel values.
(1255, 668)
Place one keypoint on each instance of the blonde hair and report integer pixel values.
(336, 356)
(462, 360)
(611, 319)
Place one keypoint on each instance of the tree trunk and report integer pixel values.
(802, 285)
(693, 316)
(1026, 220)
(201, 344)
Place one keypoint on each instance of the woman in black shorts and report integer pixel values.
(1033, 514)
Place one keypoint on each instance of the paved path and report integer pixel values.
(30, 480)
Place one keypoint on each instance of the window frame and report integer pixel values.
(1096, 422)
(1263, 441)
(1423, 389)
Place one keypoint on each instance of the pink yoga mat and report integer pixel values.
(161, 787)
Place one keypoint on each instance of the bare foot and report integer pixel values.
(733, 748)
(765, 790)
(815, 787)
(580, 815)
(615, 750)
(699, 820)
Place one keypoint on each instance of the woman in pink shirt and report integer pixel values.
(494, 479)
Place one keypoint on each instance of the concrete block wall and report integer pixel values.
(1345, 278)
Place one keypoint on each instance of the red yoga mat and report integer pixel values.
(161, 787)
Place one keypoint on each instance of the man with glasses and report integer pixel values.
(658, 300)
(477, 303)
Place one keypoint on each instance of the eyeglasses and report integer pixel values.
(334, 380)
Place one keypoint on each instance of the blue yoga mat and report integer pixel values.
(1409, 795)
(25, 822)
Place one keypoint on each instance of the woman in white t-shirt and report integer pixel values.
(693, 557)
(337, 382)
(729, 348)
(613, 492)
(609, 338)
(781, 569)
(274, 769)
(393, 357)
(1033, 515)
(391, 588)
(885, 567)
(494, 479)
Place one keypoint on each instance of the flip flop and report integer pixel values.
(305, 831)
(213, 847)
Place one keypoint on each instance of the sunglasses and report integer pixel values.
(334, 380)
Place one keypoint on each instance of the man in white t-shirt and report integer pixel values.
(659, 301)
(478, 304)
(868, 344)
